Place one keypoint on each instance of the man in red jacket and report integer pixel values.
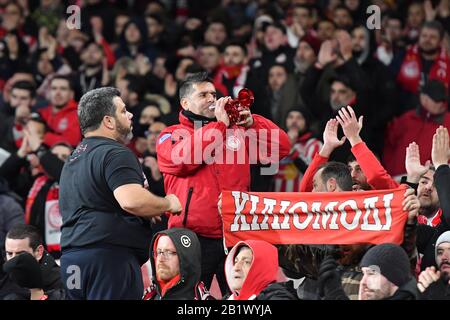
(199, 158)
(416, 125)
(61, 115)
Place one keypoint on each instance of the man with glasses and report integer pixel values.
(176, 268)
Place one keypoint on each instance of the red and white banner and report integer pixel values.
(314, 218)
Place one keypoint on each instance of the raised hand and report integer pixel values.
(411, 204)
(414, 169)
(330, 139)
(440, 151)
(350, 124)
(326, 54)
(427, 277)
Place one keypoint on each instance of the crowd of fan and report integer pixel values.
(304, 60)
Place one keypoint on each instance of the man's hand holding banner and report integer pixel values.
(314, 218)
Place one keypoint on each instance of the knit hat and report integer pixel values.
(25, 271)
(445, 237)
(313, 42)
(392, 261)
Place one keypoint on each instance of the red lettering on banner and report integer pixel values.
(314, 218)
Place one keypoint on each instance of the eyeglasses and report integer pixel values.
(166, 253)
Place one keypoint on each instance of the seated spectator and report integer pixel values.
(25, 271)
(251, 270)
(175, 259)
(416, 125)
(435, 285)
(25, 238)
(61, 115)
(386, 276)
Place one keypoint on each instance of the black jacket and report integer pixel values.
(189, 255)
(439, 290)
(51, 275)
(408, 291)
(278, 291)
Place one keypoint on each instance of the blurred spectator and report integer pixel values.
(151, 169)
(176, 268)
(304, 147)
(232, 74)
(251, 269)
(120, 21)
(414, 20)
(325, 30)
(15, 115)
(61, 115)
(25, 238)
(305, 56)
(342, 18)
(93, 73)
(282, 92)
(133, 41)
(301, 25)
(416, 125)
(11, 211)
(215, 33)
(209, 58)
(22, 167)
(381, 83)
(391, 45)
(48, 14)
(427, 60)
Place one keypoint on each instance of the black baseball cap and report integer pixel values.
(436, 90)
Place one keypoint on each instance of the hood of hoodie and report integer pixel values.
(189, 255)
(263, 270)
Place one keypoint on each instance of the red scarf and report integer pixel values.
(433, 221)
(411, 68)
(52, 215)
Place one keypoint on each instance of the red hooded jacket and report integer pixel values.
(263, 270)
(197, 184)
(64, 125)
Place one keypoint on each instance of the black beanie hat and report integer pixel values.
(25, 271)
(392, 261)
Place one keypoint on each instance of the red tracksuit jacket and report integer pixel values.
(198, 185)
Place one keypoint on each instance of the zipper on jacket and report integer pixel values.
(186, 208)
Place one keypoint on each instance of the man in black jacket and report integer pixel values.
(176, 267)
(435, 285)
(26, 238)
(386, 276)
